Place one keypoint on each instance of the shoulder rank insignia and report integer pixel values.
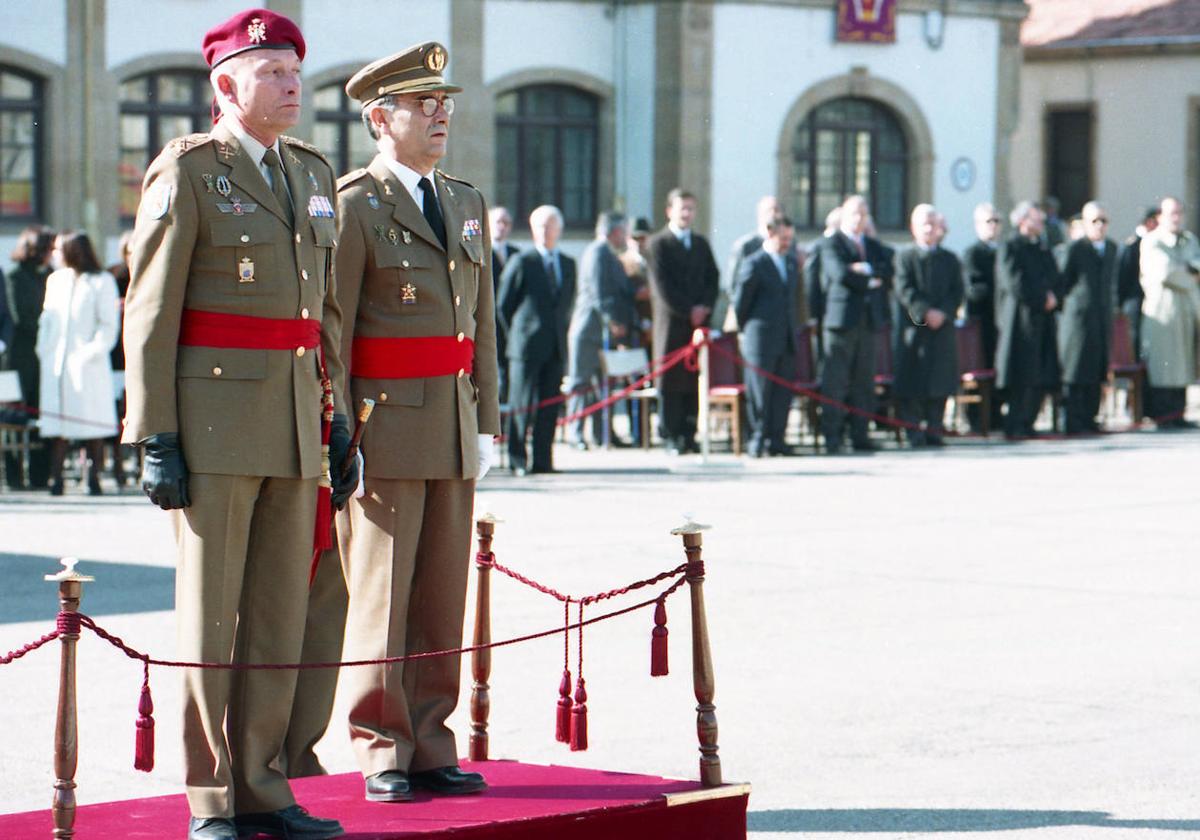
(180, 145)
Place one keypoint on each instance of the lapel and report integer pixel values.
(243, 173)
(404, 209)
(451, 214)
(299, 183)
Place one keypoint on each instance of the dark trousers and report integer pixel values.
(1166, 403)
(678, 421)
(530, 383)
(1082, 406)
(847, 376)
(929, 412)
(768, 403)
(1023, 404)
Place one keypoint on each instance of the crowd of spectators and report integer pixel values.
(1041, 302)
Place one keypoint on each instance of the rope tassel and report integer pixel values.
(579, 739)
(562, 726)
(143, 751)
(658, 641)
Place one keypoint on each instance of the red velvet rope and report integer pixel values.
(588, 599)
(14, 655)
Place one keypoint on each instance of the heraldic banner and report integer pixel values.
(867, 21)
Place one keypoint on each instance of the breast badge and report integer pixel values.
(379, 233)
(246, 270)
(208, 181)
(372, 201)
(393, 237)
(408, 294)
(223, 186)
(237, 207)
(407, 238)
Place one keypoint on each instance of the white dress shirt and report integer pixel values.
(253, 148)
(411, 179)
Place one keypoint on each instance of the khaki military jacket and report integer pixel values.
(396, 281)
(210, 235)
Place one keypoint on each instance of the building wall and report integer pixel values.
(1143, 135)
(766, 60)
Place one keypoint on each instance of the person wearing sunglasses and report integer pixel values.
(1086, 283)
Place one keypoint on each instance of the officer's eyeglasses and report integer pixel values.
(1099, 220)
(430, 104)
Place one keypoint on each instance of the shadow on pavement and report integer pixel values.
(119, 588)
(873, 820)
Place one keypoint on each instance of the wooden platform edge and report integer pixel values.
(704, 794)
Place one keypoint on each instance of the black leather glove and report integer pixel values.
(164, 472)
(343, 476)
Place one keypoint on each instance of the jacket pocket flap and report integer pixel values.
(394, 256)
(474, 249)
(221, 363)
(324, 232)
(390, 392)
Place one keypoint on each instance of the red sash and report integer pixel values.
(245, 332)
(411, 358)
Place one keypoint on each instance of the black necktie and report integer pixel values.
(279, 185)
(552, 273)
(433, 213)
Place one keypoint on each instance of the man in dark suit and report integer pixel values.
(979, 266)
(768, 208)
(537, 293)
(500, 225)
(1129, 282)
(814, 286)
(856, 270)
(762, 301)
(1025, 280)
(929, 289)
(1086, 285)
(683, 287)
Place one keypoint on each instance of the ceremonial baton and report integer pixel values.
(364, 414)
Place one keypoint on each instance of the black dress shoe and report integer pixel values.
(211, 828)
(864, 445)
(292, 823)
(543, 470)
(389, 786)
(450, 780)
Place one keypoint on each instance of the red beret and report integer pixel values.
(253, 29)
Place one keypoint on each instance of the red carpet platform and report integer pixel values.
(524, 802)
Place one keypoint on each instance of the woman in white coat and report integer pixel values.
(76, 332)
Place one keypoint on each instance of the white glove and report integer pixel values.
(487, 454)
(361, 490)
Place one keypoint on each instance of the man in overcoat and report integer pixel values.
(415, 284)
(232, 346)
(762, 298)
(857, 272)
(684, 282)
(537, 294)
(604, 308)
(1026, 276)
(1086, 284)
(929, 290)
(979, 277)
(1170, 263)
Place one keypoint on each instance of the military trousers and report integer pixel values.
(406, 564)
(312, 705)
(241, 594)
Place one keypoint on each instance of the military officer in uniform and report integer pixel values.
(232, 336)
(415, 286)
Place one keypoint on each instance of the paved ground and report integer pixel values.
(987, 639)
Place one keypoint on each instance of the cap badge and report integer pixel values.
(435, 59)
(246, 270)
(408, 294)
(257, 31)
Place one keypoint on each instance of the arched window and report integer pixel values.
(546, 149)
(156, 107)
(846, 146)
(339, 132)
(21, 167)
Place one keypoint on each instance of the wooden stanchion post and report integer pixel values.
(66, 727)
(703, 681)
(481, 660)
(700, 340)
